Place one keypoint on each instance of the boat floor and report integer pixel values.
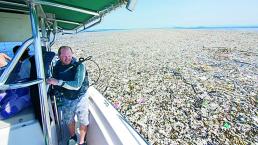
(64, 134)
(23, 116)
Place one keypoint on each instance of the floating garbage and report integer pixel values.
(179, 87)
(116, 105)
(226, 125)
(140, 100)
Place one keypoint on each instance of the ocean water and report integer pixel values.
(253, 29)
(7, 47)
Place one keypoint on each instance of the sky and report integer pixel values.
(183, 13)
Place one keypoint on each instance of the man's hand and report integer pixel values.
(52, 81)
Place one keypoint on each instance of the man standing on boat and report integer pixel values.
(70, 80)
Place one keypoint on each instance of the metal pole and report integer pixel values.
(15, 10)
(40, 74)
(13, 3)
(44, 33)
(68, 22)
(66, 7)
(20, 85)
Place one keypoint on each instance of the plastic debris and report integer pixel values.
(197, 87)
(227, 125)
(116, 105)
(140, 100)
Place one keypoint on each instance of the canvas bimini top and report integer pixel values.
(75, 15)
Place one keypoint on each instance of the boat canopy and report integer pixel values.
(74, 16)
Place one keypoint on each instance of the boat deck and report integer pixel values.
(22, 128)
(22, 117)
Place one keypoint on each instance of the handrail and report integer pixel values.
(20, 84)
(44, 108)
(91, 25)
(14, 61)
(13, 3)
(83, 27)
(15, 10)
(64, 21)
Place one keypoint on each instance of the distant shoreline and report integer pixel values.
(230, 28)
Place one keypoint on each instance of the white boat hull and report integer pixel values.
(107, 126)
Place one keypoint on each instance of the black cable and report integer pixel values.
(81, 60)
(89, 58)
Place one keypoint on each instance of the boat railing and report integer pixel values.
(112, 124)
(20, 84)
(132, 130)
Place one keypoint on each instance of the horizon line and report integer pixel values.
(175, 27)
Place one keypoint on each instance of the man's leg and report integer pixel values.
(82, 114)
(83, 131)
(73, 138)
(71, 127)
(68, 114)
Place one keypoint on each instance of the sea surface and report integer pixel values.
(182, 28)
(187, 86)
(6, 47)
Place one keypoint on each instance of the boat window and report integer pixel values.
(7, 48)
